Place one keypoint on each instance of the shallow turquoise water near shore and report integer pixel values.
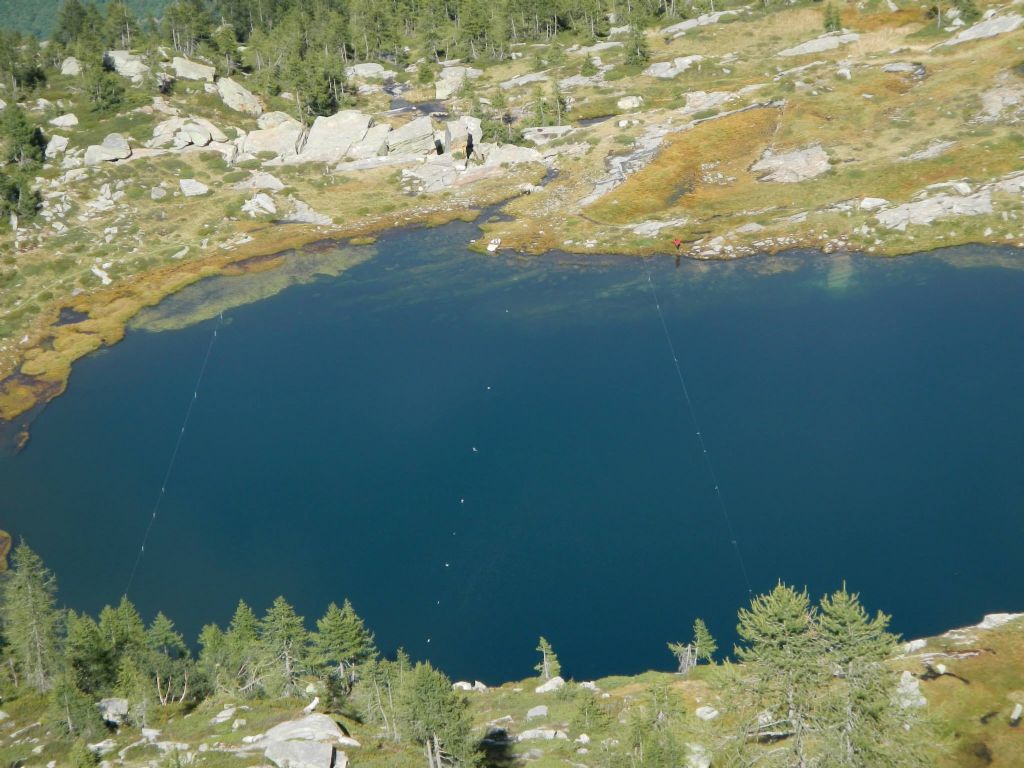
(864, 418)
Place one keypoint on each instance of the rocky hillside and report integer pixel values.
(746, 130)
(969, 682)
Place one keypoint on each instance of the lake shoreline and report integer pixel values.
(49, 350)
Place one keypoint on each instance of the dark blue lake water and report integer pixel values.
(478, 451)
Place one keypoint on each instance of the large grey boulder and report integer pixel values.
(330, 138)
(666, 70)
(416, 136)
(127, 64)
(114, 147)
(187, 69)
(996, 25)
(452, 79)
(261, 180)
(282, 139)
(314, 727)
(437, 173)
(304, 754)
(56, 145)
(928, 210)
(554, 684)
(827, 42)
(64, 121)
(238, 98)
(113, 710)
(908, 692)
(677, 30)
(373, 144)
(368, 71)
(791, 167)
(71, 67)
(529, 77)
(457, 132)
(535, 713)
(545, 734)
(192, 188)
(512, 154)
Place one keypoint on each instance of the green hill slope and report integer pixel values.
(38, 16)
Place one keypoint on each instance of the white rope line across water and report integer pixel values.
(713, 476)
(174, 456)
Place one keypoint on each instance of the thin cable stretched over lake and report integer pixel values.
(174, 456)
(696, 426)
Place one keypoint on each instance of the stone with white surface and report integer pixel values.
(71, 67)
(827, 42)
(457, 132)
(64, 121)
(416, 136)
(56, 145)
(300, 754)
(192, 188)
(127, 64)
(186, 69)
(666, 70)
(792, 167)
(554, 684)
(330, 138)
(996, 25)
(238, 98)
(114, 147)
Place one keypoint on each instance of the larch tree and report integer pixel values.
(549, 665)
(283, 637)
(31, 620)
(342, 642)
(861, 723)
(89, 657)
(781, 650)
(436, 718)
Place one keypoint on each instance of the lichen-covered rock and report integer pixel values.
(451, 80)
(314, 727)
(908, 692)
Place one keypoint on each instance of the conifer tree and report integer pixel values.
(284, 637)
(781, 649)
(72, 711)
(704, 644)
(31, 620)
(89, 657)
(23, 142)
(377, 692)
(123, 631)
(436, 718)
(549, 665)
(169, 663)
(133, 686)
(860, 724)
(244, 652)
(342, 640)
